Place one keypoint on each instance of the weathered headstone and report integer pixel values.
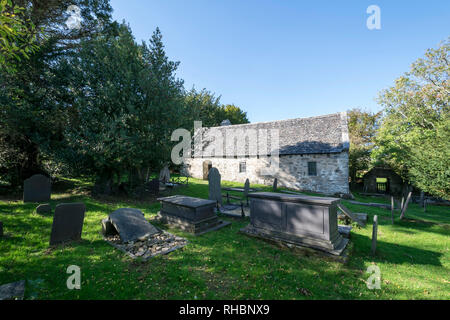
(392, 209)
(37, 188)
(131, 224)
(374, 234)
(275, 184)
(164, 175)
(246, 189)
(67, 222)
(43, 208)
(12, 291)
(214, 185)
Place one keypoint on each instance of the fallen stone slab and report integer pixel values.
(349, 214)
(130, 224)
(153, 245)
(43, 208)
(12, 291)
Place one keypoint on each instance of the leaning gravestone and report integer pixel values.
(164, 175)
(130, 224)
(214, 185)
(37, 189)
(67, 222)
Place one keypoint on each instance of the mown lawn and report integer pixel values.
(413, 257)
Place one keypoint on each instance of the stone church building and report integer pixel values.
(313, 154)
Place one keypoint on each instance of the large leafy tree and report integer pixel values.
(17, 35)
(127, 103)
(205, 106)
(414, 137)
(34, 99)
(362, 127)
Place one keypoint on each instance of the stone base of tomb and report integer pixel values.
(197, 228)
(334, 247)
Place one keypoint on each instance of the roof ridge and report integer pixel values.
(284, 120)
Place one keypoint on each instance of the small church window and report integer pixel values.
(312, 168)
(242, 167)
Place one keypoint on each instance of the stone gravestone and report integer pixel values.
(215, 192)
(153, 187)
(37, 189)
(67, 222)
(374, 234)
(275, 184)
(131, 224)
(12, 291)
(164, 175)
(43, 208)
(246, 189)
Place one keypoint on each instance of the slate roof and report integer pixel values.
(314, 135)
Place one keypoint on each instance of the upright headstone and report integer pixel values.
(392, 209)
(153, 186)
(37, 188)
(374, 234)
(67, 222)
(215, 192)
(275, 184)
(246, 189)
(164, 175)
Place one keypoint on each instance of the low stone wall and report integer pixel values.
(331, 178)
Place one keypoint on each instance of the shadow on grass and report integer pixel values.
(395, 253)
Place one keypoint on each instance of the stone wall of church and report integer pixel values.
(331, 171)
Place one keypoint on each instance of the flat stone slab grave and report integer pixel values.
(37, 188)
(67, 222)
(190, 214)
(297, 219)
(129, 223)
(12, 291)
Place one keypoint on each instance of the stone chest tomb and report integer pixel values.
(297, 219)
(193, 215)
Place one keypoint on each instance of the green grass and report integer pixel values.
(413, 257)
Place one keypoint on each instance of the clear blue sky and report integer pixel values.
(284, 59)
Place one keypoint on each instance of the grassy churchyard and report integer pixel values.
(413, 256)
